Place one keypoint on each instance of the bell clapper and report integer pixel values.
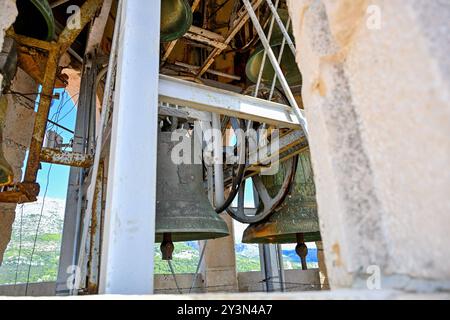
(167, 247)
(302, 250)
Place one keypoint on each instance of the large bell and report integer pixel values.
(297, 214)
(35, 19)
(296, 220)
(288, 64)
(176, 19)
(183, 211)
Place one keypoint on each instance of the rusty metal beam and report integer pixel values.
(66, 158)
(40, 122)
(93, 265)
(31, 42)
(206, 37)
(87, 13)
(242, 18)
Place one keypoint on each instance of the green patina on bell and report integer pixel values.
(176, 19)
(183, 211)
(296, 220)
(6, 171)
(288, 64)
(35, 19)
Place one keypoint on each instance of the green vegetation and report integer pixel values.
(44, 265)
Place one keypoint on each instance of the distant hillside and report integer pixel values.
(46, 256)
(17, 257)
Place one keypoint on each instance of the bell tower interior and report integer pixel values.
(222, 146)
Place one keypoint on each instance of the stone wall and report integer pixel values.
(8, 13)
(18, 124)
(376, 80)
(296, 280)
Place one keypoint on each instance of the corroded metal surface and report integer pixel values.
(182, 206)
(73, 159)
(93, 267)
(6, 171)
(28, 190)
(176, 19)
(298, 213)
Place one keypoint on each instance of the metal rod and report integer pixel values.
(202, 254)
(263, 61)
(281, 26)
(104, 113)
(60, 126)
(169, 262)
(281, 267)
(239, 23)
(280, 57)
(278, 71)
(219, 191)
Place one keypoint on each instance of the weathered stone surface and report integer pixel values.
(8, 14)
(377, 103)
(219, 263)
(17, 131)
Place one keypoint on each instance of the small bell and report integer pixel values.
(176, 19)
(287, 64)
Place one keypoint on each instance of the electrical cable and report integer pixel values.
(37, 229)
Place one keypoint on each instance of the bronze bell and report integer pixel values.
(296, 220)
(35, 19)
(6, 172)
(288, 64)
(176, 19)
(183, 211)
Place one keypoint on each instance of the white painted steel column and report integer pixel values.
(129, 234)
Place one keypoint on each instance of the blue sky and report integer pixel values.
(63, 111)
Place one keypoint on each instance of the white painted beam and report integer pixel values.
(129, 234)
(201, 97)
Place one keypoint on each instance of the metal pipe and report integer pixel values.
(281, 268)
(280, 56)
(99, 144)
(278, 71)
(281, 26)
(219, 192)
(263, 61)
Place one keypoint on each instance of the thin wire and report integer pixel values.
(198, 266)
(293, 285)
(37, 229)
(174, 276)
(60, 107)
(20, 244)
